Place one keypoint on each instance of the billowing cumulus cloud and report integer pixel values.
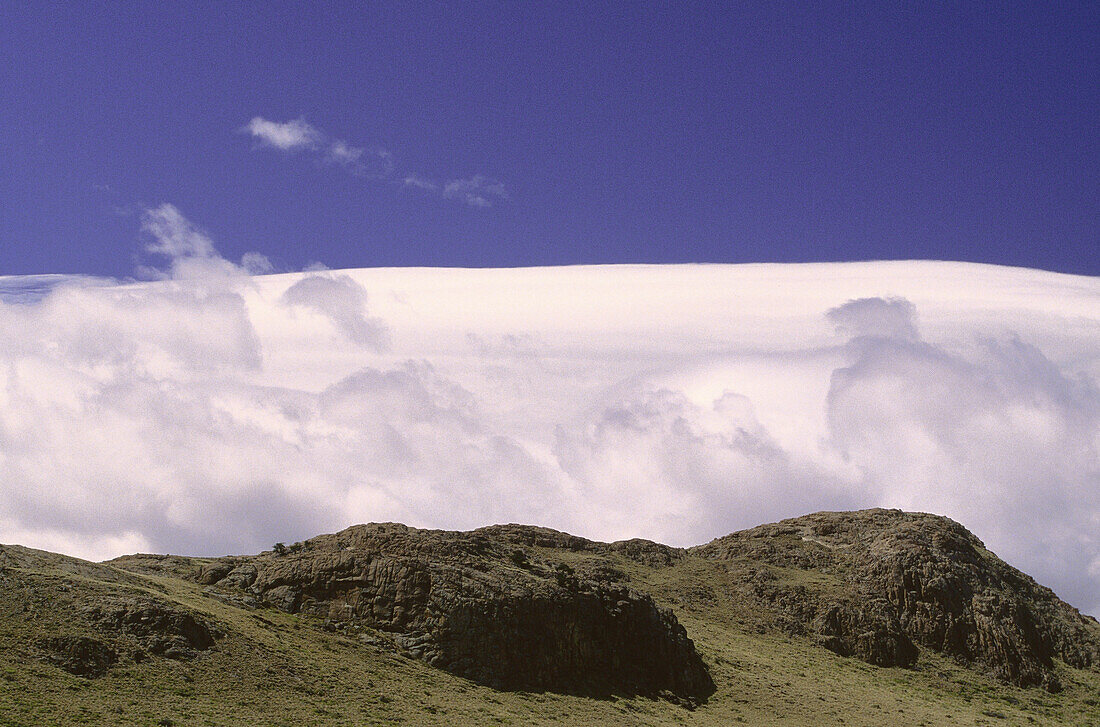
(343, 302)
(697, 468)
(213, 411)
(1000, 436)
(875, 317)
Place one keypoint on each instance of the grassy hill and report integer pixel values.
(169, 640)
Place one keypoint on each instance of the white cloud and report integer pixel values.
(418, 182)
(189, 250)
(173, 235)
(371, 162)
(876, 317)
(344, 302)
(343, 153)
(256, 263)
(375, 162)
(698, 469)
(1000, 437)
(286, 136)
(212, 412)
(477, 191)
(33, 288)
(298, 135)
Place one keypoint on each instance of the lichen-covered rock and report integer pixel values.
(922, 579)
(486, 606)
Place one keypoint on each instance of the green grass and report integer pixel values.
(278, 669)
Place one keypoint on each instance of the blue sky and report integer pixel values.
(490, 134)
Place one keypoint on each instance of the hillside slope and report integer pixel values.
(857, 618)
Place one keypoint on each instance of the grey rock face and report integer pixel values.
(478, 605)
(868, 630)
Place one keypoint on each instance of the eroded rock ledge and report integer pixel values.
(477, 605)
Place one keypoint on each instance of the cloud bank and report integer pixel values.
(212, 411)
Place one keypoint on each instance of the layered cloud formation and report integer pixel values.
(216, 411)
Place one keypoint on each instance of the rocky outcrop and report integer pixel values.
(157, 628)
(910, 578)
(79, 655)
(528, 608)
(91, 617)
(484, 605)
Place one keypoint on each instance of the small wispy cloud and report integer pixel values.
(361, 161)
(300, 135)
(255, 263)
(287, 136)
(343, 153)
(372, 162)
(477, 191)
(418, 182)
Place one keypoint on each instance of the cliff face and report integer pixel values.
(481, 606)
(898, 580)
